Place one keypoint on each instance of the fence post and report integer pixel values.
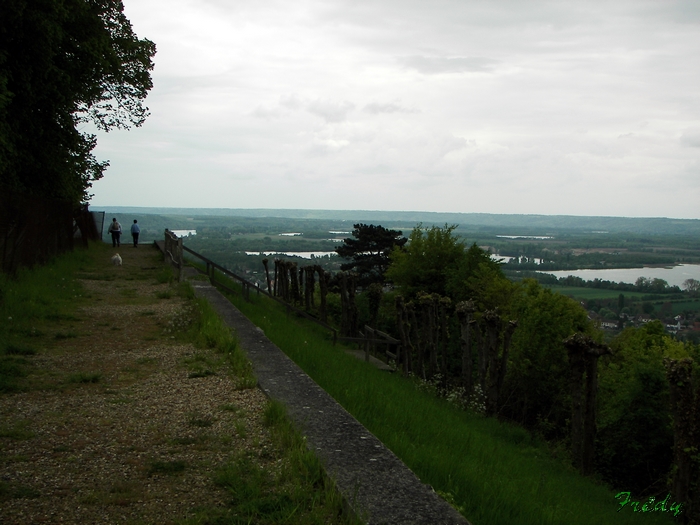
(367, 336)
(173, 249)
(180, 264)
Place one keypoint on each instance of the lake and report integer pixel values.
(303, 255)
(673, 276)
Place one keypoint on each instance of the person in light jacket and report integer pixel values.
(116, 230)
(135, 230)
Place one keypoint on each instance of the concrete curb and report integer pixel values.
(376, 484)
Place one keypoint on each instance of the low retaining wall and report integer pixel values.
(376, 484)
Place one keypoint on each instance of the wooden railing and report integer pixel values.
(371, 338)
(173, 252)
(246, 285)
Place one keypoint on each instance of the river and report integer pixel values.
(674, 275)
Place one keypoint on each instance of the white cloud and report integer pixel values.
(376, 108)
(437, 65)
(691, 138)
(329, 110)
(503, 106)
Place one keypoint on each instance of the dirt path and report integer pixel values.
(114, 427)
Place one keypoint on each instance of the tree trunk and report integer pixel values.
(589, 421)
(323, 289)
(420, 343)
(686, 435)
(483, 356)
(445, 304)
(492, 322)
(404, 328)
(577, 364)
(267, 276)
(375, 298)
(583, 357)
(294, 275)
(354, 314)
(507, 337)
(465, 310)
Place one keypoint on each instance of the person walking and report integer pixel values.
(135, 230)
(116, 230)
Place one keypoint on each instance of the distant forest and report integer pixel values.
(516, 224)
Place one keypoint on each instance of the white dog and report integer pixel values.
(116, 260)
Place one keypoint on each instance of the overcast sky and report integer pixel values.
(499, 106)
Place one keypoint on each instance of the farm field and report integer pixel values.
(592, 293)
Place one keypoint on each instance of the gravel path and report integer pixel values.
(113, 429)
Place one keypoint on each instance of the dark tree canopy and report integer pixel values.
(64, 63)
(369, 251)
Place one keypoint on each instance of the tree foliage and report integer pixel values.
(369, 251)
(537, 386)
(64, 63)
(691, 285)
(635, 435)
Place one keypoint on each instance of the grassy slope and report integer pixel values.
(495, 473)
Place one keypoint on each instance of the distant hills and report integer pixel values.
(522, 224)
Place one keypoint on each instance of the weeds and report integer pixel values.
(201, 422)
(17, 491)
(165, 275)
(299, 492)
(12, 349)
(65, 335)
(205, 329)
(85, 377)
(18, 430)
(168, 468)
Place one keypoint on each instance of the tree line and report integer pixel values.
(63, 64)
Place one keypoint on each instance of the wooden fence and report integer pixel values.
(176, 254)
(173, 252)
(371, 338)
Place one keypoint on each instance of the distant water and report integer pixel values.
(673, 276)
(303, 255)
(184, 233)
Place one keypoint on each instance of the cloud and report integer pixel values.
(266, 113)
(438, 65)
(375, 108)
(291, 102)
(691, 138)
(329, 110)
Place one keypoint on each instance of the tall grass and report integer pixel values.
(493, 472)
(209, 331)
(29, 300)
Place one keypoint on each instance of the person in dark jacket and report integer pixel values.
(116, 230)
(135, 230)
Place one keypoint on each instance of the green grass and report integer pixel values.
(592, 293)
(85, 377)
(494, 472)
(18, 430)
(209, 331)
(298, 492)
(168, 468)
(692, 305)
(17, 491)
(30, 301)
